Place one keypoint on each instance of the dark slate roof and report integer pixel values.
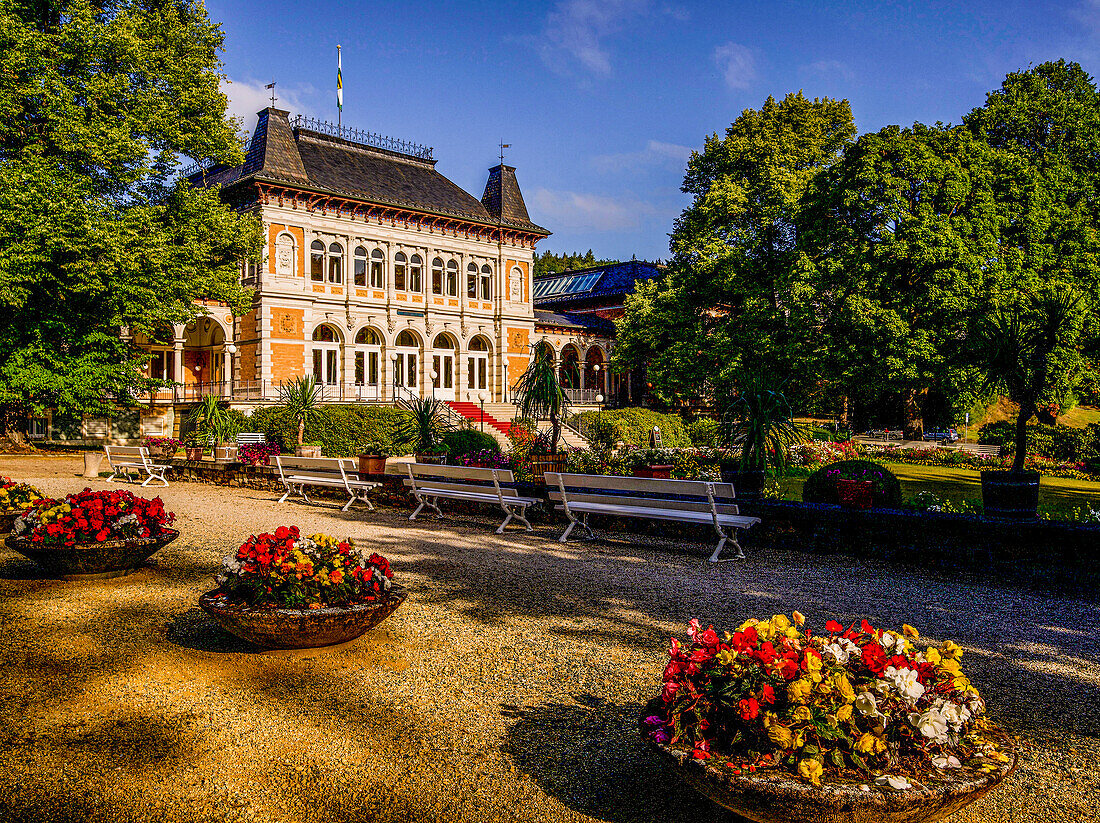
(592, 323)
(610, 280)
(502, 197)
(280, 152)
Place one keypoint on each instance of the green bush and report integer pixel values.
(466, 441)
(341, 430)
(820, 487)
(632, 426)
(703, 432)
(1056, 442)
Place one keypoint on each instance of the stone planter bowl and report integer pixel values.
(772, 796)
(7, 521)
(112, 558)
(300, 628)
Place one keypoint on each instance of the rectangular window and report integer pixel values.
(372, 368)
(318, 366)
(360, 271)
(486, 287)
(452, 284)
(317, 267)
(334, 275)
(399, 276)
(471, 286)
(470, 373)
(360, 370)
(437, 281)
(410, 378)
(414, 279)
(376, 274)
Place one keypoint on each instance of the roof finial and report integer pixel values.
(271, 86)
(503, 146)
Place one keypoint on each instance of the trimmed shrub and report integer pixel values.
(341, 430)
(468, 441)
(820, 487)
(1064, 443)
(632, 426)
(703, 432)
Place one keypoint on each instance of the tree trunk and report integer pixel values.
(1026, 410)
(14, 427)
(842, 417)
(555, 432)
(301, 429)
(914, 419)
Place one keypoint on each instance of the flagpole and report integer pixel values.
(339, 88)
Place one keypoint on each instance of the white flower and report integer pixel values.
(893, 782)
(931, 724)
(866, 704)
(955, 715)
(946, 762)
(906, 683)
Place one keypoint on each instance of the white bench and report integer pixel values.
(429, 482)
(686, 501)
(245, 438)
(127, 460)
(297, 473)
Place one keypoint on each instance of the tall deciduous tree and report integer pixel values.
(99, 102)
(734, 297)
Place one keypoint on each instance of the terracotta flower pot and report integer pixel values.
(654, 472)
(112, 558)
(194, 452)
(774, 796)
(300, 628)
(372, 464)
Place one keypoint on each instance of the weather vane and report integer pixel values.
(271, 86)
(503, 146)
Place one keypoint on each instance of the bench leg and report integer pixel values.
(521, 516)
(721, 545)
(507, 520)
(153, 477)
(430, 502)
(354, 497)
(286, 494)
(565, 535)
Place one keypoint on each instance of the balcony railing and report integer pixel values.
(260, 390)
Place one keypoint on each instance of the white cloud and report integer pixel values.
(246, 97)
(593, 212)
(737, 64)
(575, 30)
(830, 69)
(656, 153)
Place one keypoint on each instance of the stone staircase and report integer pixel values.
(497, 421)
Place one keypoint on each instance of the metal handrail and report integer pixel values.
(366, 138)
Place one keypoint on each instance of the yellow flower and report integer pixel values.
(811, 770)
(725, 657)
(802, 714)
(869, 744)
(752, 621)
(799, 691)
(781, 736)
(792, 632)
(780, 622)
(844, 687)
(961, 684)
(909, 631)
(844, 713)
(932, 655)
(799, 620)
(813, 662)
(950, 649)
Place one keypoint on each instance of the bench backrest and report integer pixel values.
(642, 493)
(334, 467)
(251, 437)
(127, 454)
(429, 476)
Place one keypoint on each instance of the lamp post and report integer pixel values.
(596, 371)
(434, 374)
(481, 397)
(393, 375)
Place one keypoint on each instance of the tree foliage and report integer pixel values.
(99, 103)
(549, 263)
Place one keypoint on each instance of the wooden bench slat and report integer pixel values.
(429, 482)
(627, 502)
(641, 484)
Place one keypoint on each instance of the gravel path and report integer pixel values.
(506, 688)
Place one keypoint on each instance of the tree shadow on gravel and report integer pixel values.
(16, 567)
(195, 629)
(588, 755)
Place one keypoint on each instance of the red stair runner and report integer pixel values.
(471, 411)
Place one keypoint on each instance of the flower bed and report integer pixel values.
(952, 458)
(163, 446)
(17, 497)
(485, 458)
(258, 454)
(93, 517)
(285, 570)
(858, 703)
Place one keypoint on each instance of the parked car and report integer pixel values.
(942, 435)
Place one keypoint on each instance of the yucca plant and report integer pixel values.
(212, 419)
(301, 399)
(425, 424)
(541, 395)
(759, 423)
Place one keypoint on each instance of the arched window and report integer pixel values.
(444, 341)
(325, 334)
(367, 337)
(317, 261)
(437, 276)
(377, 269)
(471, 281)
(360, 266)
(400, 266)
(452, 278)
(477, 365)
(335, 259)
(368, 357)
(416, 268)
(486, 282)
(326, 355)
(407, 340)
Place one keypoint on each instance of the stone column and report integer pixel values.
(227, 373)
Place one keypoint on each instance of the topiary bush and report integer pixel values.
(632, 426)
(468, 441)
(820, 487)
(341, 430)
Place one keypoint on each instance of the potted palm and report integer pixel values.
(1027, 351)
(541, 397)
(758, 427)
(424, 426)
(301, 399)
(214, 422)
(372, 457)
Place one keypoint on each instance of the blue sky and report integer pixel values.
(602, 101)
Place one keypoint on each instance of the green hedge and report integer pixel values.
(632, 426)
(820, 487)
(340, 429)
(467, 441)
(703, 432)
(1055, 442)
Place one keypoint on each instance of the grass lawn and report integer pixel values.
(1056, 495)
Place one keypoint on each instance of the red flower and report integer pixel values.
(750, 709)
(833, 626)
(874, 657)
(102, 535)
(767, 694)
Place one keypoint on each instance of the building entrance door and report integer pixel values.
(443, 363)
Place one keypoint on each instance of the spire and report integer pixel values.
(273, 150)
(502, 198)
